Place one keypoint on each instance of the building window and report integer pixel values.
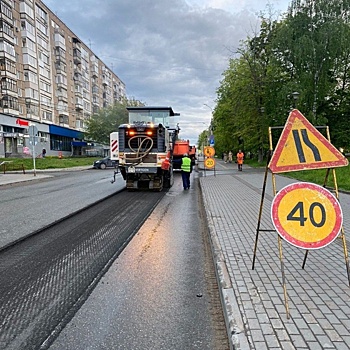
(9, 102)
(6, 10)
(7, 47)
(46, 115)
(8, 84)
(60, 143)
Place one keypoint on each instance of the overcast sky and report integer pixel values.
(167, 52)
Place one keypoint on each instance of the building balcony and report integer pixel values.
(79, 106)
(6, 55)
(62, 86)
(76, 42)
(60, 44)
(3, 15)
(78, 94)
(60, 67)
(9, 110)
(26, 34)
(76, 56)
(7, 37)
(78, 78)
(62, 98)
(60, 58)
(63, 112)
(95, 109)
(94, 71)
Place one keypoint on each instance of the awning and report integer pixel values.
(61, 131)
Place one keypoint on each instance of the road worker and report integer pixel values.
(186, 169)
(240, 158)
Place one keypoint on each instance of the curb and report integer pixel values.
(233, 318)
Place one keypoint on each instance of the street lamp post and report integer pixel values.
(210, 129)
(295, 95)
(207, 132)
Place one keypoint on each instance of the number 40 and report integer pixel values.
(297, 214)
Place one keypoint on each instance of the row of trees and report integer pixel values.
(307, 52)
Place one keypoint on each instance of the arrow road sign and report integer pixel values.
(301, 146)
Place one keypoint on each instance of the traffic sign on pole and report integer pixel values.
(33, 130)
(209, 163)
(209, 151)
(301, 146)
(306, 215)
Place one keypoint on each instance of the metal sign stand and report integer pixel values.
(342, 233)
(258, 229)
(209, 160)
(33, 140)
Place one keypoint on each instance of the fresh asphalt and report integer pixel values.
(255, 307)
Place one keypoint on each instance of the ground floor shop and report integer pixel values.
(16, 140)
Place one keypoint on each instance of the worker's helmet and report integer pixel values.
(185, 155)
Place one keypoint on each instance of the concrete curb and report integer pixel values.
(233, 319)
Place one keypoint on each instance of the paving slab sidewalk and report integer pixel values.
(255, 307)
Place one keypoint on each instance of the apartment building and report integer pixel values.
(50, 79)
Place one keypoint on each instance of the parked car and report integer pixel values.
(104, 163)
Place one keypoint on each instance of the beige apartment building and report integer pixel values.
(51, 82)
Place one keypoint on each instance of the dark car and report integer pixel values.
(104, 163)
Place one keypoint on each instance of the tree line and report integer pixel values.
(300, 61)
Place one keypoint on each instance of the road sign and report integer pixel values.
(209, 151)
(301, 146)
(306, 215)
(33, 130)
(211, 140)
(209, 163)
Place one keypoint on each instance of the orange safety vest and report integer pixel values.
(240, 157)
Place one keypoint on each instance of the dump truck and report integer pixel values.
(181, 147)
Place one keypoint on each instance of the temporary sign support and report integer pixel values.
(209, 160)
(311, 151)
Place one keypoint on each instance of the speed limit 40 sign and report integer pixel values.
(306, 215)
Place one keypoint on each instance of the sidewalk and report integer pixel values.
(318, 296)
(18, 176)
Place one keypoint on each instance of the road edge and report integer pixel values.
(233, 318)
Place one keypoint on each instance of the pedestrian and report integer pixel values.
(230, 157)
(240, 158)
(225, 157)
(43, 152)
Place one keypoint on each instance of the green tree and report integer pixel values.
(241, 118)
(106, 121)
(308, 52)
(312, 45)
(202, 139)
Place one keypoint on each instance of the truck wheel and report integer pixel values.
(168, 179)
